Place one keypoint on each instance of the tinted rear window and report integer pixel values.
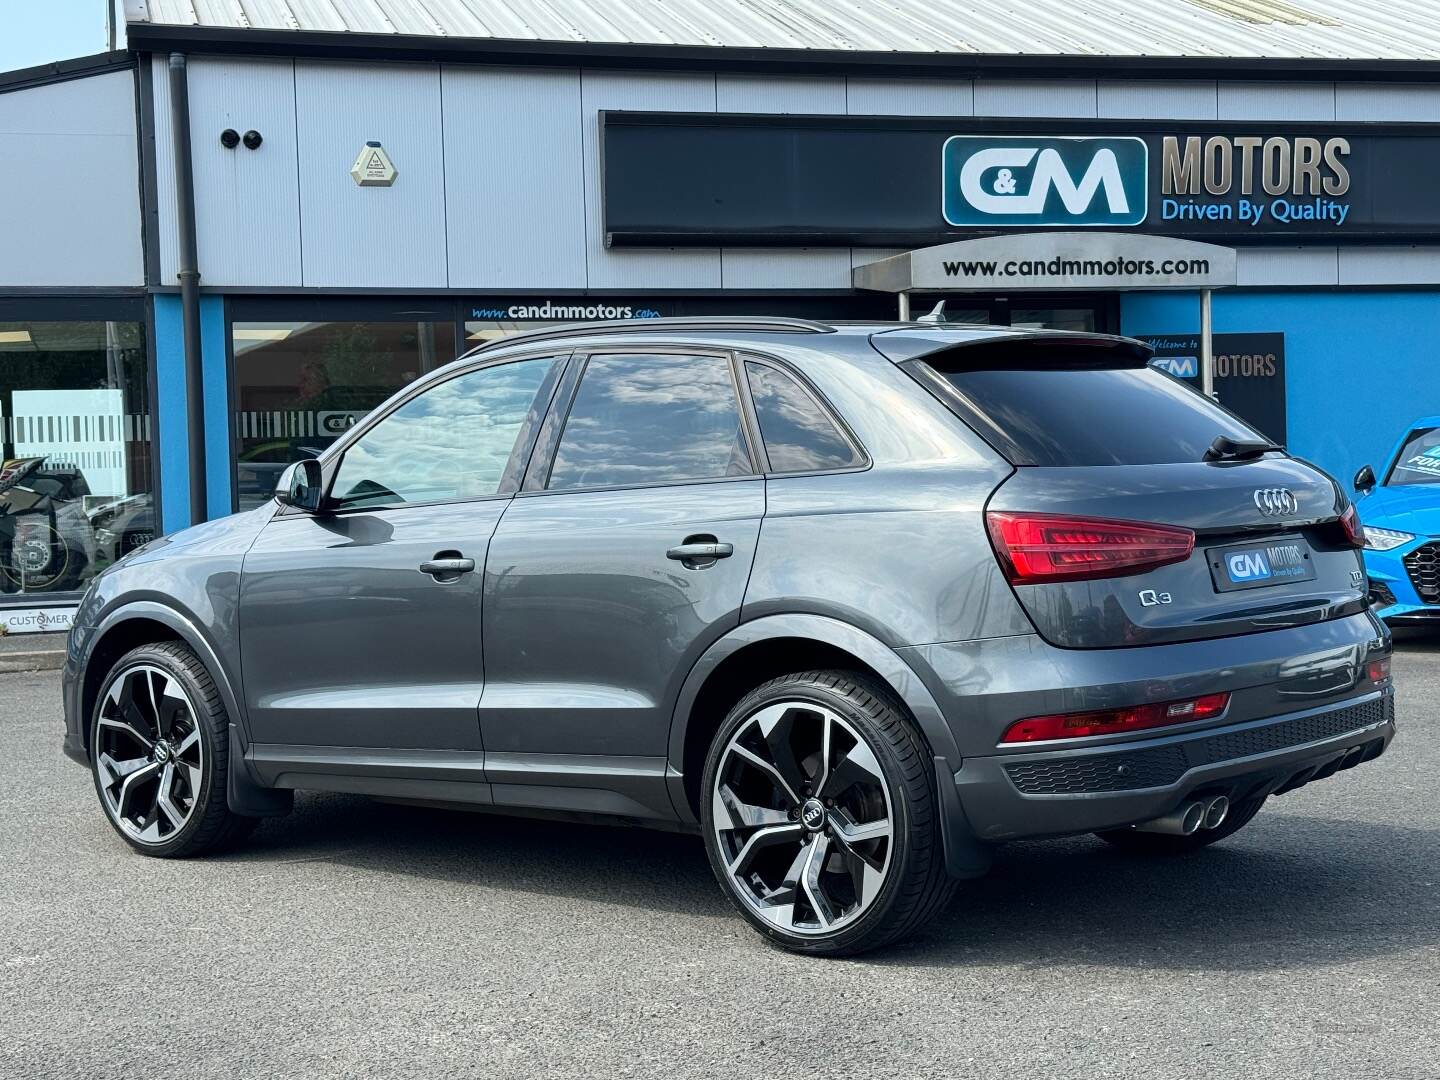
(1094, 416)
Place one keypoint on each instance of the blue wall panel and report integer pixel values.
(1359, 366)
(170, 410)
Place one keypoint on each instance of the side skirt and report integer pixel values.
(592, 785)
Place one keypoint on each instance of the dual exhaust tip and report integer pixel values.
(1190, 817)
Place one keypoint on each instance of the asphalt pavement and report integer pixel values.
(360, 939)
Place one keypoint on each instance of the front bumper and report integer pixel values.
(1392, 589)
(1088, 789)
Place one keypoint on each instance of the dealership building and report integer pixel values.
(224, 243)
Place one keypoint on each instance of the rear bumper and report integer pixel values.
(1014, 796)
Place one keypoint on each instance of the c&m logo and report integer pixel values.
(1182, 367)
(988, 180)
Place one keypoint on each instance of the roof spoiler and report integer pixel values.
(962, 348)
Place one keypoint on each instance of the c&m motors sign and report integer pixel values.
(1066, 181)
(895, 181)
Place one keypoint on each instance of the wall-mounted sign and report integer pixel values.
(707, 178)
(1067, 182)
(564, 309)
(36, 620)
(1249, 373)
(1054, 261)
(373, 167)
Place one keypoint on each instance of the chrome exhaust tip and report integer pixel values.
(1215, 811)
(1182, 821)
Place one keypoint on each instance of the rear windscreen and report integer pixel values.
(1094, 416)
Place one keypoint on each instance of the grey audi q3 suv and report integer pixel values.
(854, 602)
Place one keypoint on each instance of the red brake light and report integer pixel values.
(1115, 721)
(1035, 548)
(1354, 531)
(1378, 670)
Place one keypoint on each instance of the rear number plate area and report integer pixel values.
(1254, 566)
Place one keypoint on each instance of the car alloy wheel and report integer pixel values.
(802, 818)
(149, 762)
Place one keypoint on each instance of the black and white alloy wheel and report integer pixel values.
(159, 745)
(819, 815)
(149, 763)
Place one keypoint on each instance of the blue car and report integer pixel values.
(1402, 528)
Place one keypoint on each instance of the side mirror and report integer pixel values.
(301, 485)
(1365, 480)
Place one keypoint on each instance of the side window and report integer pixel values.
(651, 419)
(798, 436)
(451, 442)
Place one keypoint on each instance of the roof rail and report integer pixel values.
(732, 323)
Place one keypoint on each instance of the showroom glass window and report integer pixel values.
(300, 385)
(75, 453)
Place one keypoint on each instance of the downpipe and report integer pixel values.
(1190, 817)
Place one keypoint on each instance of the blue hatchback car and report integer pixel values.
(1402, 528)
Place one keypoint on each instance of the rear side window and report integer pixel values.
(1094, 416)
(798, 436)
(658, 419)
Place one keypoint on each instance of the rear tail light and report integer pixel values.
(1378, 670)
(1035, 548)
(1354, 531)
(1115, 721)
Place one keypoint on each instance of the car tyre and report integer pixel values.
(159, 753)
(1145, 843)
(820, 816)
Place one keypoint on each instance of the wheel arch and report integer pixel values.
(144, 622)
(774, 645)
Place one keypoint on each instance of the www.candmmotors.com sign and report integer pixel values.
(675, 178)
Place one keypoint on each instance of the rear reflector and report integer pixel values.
(1115, 721)
(1354, 531)
(1036, 548)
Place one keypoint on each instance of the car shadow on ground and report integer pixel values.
(1291, 891)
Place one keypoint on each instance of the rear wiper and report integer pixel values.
(1225, 448)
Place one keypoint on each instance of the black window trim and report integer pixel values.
(863, 460)
(542, 461)
(331, 457)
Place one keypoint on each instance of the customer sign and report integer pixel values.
(909, 181)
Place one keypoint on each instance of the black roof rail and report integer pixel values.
(697, 324)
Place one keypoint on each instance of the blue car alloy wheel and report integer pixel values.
(1402, 530)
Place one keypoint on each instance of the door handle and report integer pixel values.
(447, 566)
(700, 551)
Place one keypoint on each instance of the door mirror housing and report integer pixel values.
(302, 485)
(1365, 480)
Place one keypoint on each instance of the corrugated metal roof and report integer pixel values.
(1289, 29)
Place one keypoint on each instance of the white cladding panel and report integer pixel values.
(1315, 265)
(910, 97)
(70, 216)
(1277, 101)
(357, 237)
(640, 268)
(514, 178)
(1156, 100)
(1035, 97)
(779, 94)
(247, 202)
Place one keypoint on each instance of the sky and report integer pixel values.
(39, 31)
